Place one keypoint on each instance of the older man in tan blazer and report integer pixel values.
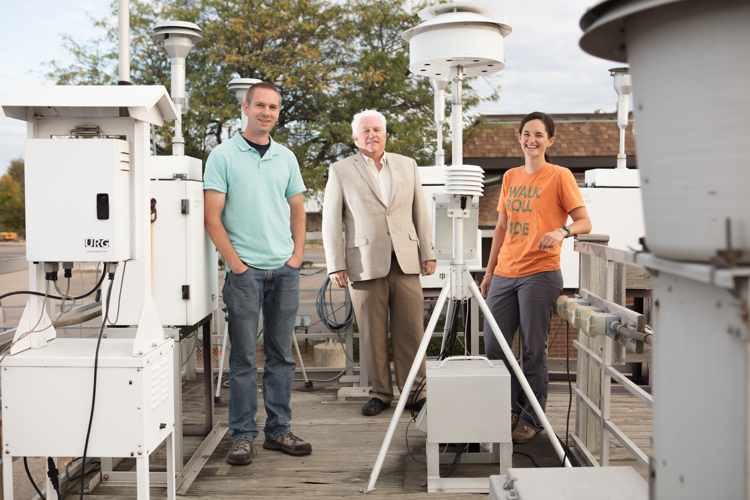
(376, 198)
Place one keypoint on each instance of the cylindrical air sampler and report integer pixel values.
(123, 13)
(456, 40)
(439, 84)
(690, 118)
(178, 38)
(623, 86)
(239, 86)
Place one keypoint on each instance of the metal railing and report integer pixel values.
(603, 269)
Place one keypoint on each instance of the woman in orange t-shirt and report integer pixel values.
(523, 279)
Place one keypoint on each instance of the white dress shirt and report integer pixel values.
(382, 177)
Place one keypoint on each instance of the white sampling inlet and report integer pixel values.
(178, 38)
(239, 86)
(123, 12)
(439, 84)
(623, 86)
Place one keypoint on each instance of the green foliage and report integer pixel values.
(16, 172)
(12, 206)
(329, 59)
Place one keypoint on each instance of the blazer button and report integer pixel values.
(388, 233)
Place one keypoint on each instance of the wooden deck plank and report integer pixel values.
(346, 444)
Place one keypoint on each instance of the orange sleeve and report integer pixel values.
(570, 195)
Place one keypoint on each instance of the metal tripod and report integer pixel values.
(459, 286)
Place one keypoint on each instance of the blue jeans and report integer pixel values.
(276, 293)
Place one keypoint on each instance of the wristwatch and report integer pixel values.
(567, 230)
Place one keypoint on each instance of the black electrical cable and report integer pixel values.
(558, 331)
(119, 297)
(75, 476)
(40, 294)
(54, 475)
(450, 336)
(322, 308)
(96, 370)
(66, 474)
(456, 460)
(527, 456)
(419, 388)
(31, 479)
(406, 437)
(570, 389)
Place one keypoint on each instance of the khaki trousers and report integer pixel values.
(400, 295)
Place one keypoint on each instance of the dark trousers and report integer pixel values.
(525, 304)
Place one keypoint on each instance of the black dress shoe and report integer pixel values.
(374, 406)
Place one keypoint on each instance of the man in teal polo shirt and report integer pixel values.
(255, 217)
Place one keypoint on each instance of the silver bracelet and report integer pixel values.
(486, 275)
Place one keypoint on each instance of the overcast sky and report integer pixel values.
(545, 68)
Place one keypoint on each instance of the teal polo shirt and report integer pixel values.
(256, 213)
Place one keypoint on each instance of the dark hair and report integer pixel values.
(261, 85)
(548, 124)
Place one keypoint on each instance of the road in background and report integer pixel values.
(11, 250)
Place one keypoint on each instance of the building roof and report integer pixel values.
(488, 213)
(584, 140)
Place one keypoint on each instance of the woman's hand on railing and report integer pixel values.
(550, 239)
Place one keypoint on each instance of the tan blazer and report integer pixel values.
(373, 231)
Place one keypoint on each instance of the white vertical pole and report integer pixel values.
(124, 39)
(457, 77)
(178, 97)
(623, 103)
(438, 87)
(407, 388)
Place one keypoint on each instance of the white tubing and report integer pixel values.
(406, 389)
(221, 358)
(457, 131)
(123, 12)
(519, 373)
(299, 358)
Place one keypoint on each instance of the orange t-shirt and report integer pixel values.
(534, 204)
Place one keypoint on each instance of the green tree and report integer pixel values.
(329, 59)
(12, 207)
(16, 172)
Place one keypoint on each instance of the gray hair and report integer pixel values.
(364, 114)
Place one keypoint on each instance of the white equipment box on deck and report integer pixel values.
(564, 483)
(468, 401)
(47, 399)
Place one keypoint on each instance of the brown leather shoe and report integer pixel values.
(289, 444)
(242, 452)
(523, 434)
(514, 420)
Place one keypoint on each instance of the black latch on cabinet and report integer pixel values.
(185, 292)
(102, 206)
(185, 204)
